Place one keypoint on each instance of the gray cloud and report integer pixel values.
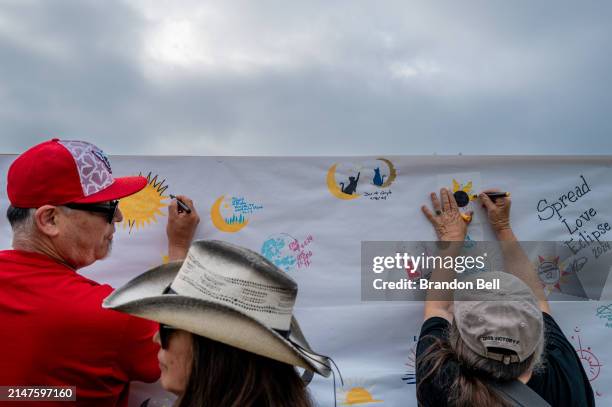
(271, 77)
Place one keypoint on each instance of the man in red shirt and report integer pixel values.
(54, 331)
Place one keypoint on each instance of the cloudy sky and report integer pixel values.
(307, 78)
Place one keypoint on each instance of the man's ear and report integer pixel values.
(46, 220)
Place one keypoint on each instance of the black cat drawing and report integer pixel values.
(351, 188)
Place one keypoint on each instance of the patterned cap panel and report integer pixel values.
(92, 164)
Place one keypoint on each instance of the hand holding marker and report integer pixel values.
(496, 195)
(182, 205)
(463, 199)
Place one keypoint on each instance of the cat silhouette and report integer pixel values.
(378, 180)
(351, 188)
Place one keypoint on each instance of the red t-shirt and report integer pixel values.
(53, 331)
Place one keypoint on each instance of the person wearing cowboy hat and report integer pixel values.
(63, 210)
(226, 328)
(489, 346)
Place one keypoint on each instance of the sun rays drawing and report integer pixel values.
(463, 193)
(142, 208)
(356, 392)
(551, 274)
(590, 362)
(410, 376)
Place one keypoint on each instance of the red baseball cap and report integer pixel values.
(61, 171)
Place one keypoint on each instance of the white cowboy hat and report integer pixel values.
(226, 293)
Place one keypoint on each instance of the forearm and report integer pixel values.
(451, 229)
(443, 299)
(177, 252)
(517, 263)
(181, 227)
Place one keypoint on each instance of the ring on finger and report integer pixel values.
(438, 212)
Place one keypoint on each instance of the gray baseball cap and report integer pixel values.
(492, 321)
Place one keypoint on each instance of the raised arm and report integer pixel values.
(515, 260)
(181, 228)
(450, 227)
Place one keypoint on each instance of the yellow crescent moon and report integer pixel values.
(392, 173)
(219, 222)
(333, 187)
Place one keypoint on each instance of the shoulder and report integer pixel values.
(434, 329)
(436, 369)
(80, 300)
(434, 323)
(87, 291)
(562, 376)
(554, 336)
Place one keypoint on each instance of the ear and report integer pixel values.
(46, 220)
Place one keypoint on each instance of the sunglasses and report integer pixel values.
(109, 209)
(165, 331)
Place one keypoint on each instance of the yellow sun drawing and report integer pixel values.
(357, 393)
(463, 195)
(142, 207)
(467, 188)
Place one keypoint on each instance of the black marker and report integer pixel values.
(495, 195)
(180, 203)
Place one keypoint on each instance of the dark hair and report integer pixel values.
(472, 385)
(16, 215)
(222, 375)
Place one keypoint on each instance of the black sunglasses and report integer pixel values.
(107, 208)
(165, 331)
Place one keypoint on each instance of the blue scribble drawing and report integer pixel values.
(241, 205)
(378, 180)
(605, 312)
(409, 378)
(469, 243)
(235, 219)
(277, 251)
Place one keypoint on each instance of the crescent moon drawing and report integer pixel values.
(392, 173)
(333, 187)
(219, 222)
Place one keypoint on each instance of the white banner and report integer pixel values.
(309, 216)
